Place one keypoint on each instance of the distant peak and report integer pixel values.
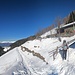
(7, 41)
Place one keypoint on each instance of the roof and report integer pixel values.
(69, 24)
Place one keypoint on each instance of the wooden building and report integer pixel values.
(67, 30)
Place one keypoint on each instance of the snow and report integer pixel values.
(53, 31)
(67, 24)
(6, 49)
(7, 41)
(17, 62)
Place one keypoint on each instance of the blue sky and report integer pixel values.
(22, 18)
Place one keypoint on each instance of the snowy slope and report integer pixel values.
(53, 31)
(18, 62)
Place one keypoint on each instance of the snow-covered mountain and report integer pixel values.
(6, 43)
(35, 57)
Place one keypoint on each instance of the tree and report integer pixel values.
(44, 30)
(70, 18)
(58, 22)
(1, 51)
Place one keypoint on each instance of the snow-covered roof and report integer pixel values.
(62, 26)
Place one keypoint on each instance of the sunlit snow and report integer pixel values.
(17, 62)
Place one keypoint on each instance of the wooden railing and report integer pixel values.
(54, 52)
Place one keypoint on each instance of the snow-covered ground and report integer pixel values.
(17, 62)
(53, 31)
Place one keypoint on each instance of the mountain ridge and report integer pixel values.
(21, 41)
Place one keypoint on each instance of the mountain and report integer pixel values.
(5, 46)
(35, 55)
(46, 31)
(26, 60)
(6, 43)
(21, 41)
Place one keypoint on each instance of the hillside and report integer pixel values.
(47, 31)
(21, 41)
(23, 62)
(70, 18)
(1, 51)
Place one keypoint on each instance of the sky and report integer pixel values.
(23, 18)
